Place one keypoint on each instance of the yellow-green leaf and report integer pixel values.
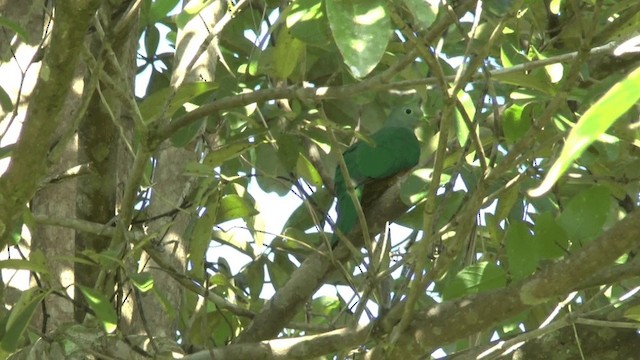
(102, 308)
(592, 125)
(288, 52)
(233, 207)
(307, 171)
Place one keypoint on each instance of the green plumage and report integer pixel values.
(395, 149)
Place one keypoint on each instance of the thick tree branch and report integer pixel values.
(442, 323)
(28, 164)
(306, 347)
(450, 321)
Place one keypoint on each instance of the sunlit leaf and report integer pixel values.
(307, 171)
(166, 101)
(233, 207)
(307, 22)
(142, 281)
(424, 11)
(416, 187)
(592, 125)
(515, 122)
(633, 313)
(506, 200)
(361, 30)
(289, 51)
(102, 308)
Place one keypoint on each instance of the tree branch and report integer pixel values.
(450, 321)
(377, 83)
(28, 164)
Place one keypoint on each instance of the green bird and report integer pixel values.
(395, 150)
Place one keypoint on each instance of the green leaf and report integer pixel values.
(15, 27)
(101, 307)
(20, 317)
(238, 240)
(108, 259)
(424, 12)
(159, 10)
(551, 239)
(462, 130)
(255, 277)
(416, 187)
(142, 281)
(20, 264)
(307, 22)
(361, 29)
(155, 105)
(233, 207)
(536, 80)
(474, 279)
(633, 313)
(506, 201)
(515, 122)
(521, 250)
(280, 269)
(586, 213)
(185, 135)
(201, 235)
(324, 308)
(510, 56)
(592, 125)
(151, 40)
(288, 151)
(287, 54)
(226, 152)
(7, 150)
(269, 168)
(5, 102)
(308, 172)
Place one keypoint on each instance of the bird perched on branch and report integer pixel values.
(395, 149)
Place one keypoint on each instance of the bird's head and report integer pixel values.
(406, 115)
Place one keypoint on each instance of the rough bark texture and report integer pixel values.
(58, 199)
(19, 77)
(28, 164)
(99, 147)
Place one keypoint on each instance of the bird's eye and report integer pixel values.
(408, 111)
